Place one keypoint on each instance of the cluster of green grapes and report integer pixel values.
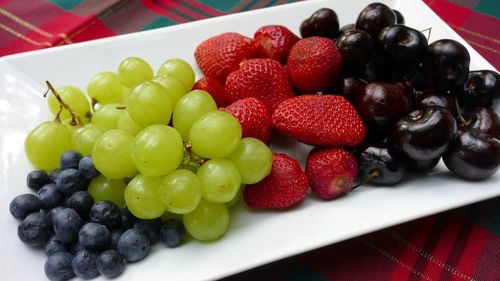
(160, 147)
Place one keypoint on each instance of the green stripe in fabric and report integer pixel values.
(249, 5)
(224, 6)
(299, 272)
(495, 221)
(489, 7)
(159, 22)
(196, 9)
(271, 3)
(66, 4)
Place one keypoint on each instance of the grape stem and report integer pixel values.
(75, 119)
(193, 157)
(58, 115)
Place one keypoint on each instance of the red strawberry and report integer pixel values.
(254, 118)
(319, 120)
(265, 79)
(314, 64)
(331, 171)
(276, 42)
(213, 87)
(284, 187)
(219, 55)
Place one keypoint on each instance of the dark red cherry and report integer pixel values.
(400, 19)
(401, 45)
(424, 134)
(356, 47)
(374, 17)
(380, 163)
(484, 120)
(422, 166)
(431, 97)
(350, 88)
(473, 155)
(446, 64)
(480, 89)
(324, 22)
(347, 27)
(383, 103)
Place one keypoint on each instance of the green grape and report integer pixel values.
(126, 123)
(174, 86)
(75, 99)
(237, 198)
(83, 138)
(134, 70)
(142, 197)
(180, 69)
(208, 221)
(253, 158)
(189, 108)
(148, 104)
(102, 188)
(220, 180)
(111, 154)
(168, 215)
(106, 87)
(45, 144)
(180, 191)
(215, 135)
(106, 116)
(157, 150)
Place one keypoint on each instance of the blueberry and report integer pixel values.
(149, 227)
(172, 233)
(36, 179)
(23, 205)
(110, 263)
(127, 219)
(81, 202)
(105, 212)
(53, 246)
(76, 247)
(53, 175)
(84, 264)
(70, 181)
(115, 236)
(94, 236)
(133, 245)
(35, 229)
(50, 197)
(87, 168)
(70, 160)
(58, 267)
(53, 211)
(67, 223)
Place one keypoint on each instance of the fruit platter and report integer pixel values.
(201, 150)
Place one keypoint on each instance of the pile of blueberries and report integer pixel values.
(82, 237)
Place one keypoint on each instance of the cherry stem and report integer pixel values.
(75, 119)
(461, 118)
(374, 174)
(429, 29)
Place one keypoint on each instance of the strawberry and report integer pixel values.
(276, 42)
(284, 187)
(331, 171)
(314, 64)
(219, 55)
(319, 120)
(213, 87)
(265, 79)
(254, 118)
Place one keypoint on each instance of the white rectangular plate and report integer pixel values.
(254, 237)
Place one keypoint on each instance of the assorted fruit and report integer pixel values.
(141, 158)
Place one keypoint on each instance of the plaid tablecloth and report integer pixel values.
(462, 244)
